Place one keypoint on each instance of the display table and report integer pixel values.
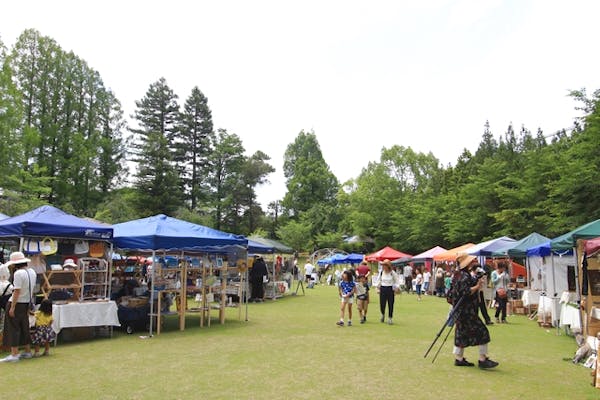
(530, 297)
(569, 311)
(91, 313)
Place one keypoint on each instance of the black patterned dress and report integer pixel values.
(470, 330)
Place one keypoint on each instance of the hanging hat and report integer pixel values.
(17, 258)
(464, 260)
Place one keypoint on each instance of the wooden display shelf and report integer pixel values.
(64, 279)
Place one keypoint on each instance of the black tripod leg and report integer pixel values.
(442, 345)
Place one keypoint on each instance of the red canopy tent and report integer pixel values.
(387, 253)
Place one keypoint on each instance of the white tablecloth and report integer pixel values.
(569, 315)
(93, 313)
(530, 297)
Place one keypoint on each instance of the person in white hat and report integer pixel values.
(16, 324)
(470, 329)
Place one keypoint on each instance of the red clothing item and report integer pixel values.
(363, 269)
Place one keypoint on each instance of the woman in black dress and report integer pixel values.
(470, 330)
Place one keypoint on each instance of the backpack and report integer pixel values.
(4, 298)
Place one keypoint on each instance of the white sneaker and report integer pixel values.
(26, 355)
(389, 321)
(10, 358)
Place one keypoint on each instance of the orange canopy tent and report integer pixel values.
(450, 255)
(387, 253)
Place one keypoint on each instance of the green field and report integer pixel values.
(291, 349)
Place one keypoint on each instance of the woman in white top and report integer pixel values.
(389, 283)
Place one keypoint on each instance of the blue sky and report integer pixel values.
(362, 75)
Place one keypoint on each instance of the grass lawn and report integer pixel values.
(291, 349)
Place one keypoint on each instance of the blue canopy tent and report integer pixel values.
(278, 247)
(51, 221)
(255, 247)
(354, 258)
(161, 232)
(3, 216)
(487, 248)
(164, 233)
(519, 248)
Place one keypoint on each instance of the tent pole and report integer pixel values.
(152, 292)
(578, 291)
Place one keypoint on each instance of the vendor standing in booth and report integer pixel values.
(257, 278)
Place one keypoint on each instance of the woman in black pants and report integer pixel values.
(500, 280)
(387, 286)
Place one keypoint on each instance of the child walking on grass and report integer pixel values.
(347, 288)
(362, 297)
(42, 333)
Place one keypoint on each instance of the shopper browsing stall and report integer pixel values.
(16, 323)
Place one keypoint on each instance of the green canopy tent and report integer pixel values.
(519, 248)
(567, 241)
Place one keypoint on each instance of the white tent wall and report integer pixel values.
(550, 276)
(553, 273)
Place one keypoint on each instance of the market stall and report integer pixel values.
(70, 256)
(216, 253)
(279, 266)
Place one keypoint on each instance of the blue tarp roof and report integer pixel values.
(519, 248)
(259, 248)
(51, 221)
(338, 258)
(278, 247)
(161, 232)
(544, 250)
(488, 247)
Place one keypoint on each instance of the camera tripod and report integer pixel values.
(449, 322)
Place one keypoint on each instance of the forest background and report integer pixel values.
(66, 142)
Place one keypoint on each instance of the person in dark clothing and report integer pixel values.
(475, 270)
(470, 329)
(257, 274)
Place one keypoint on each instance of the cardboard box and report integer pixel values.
(517, 303)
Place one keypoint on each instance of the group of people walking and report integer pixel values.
(464, 287)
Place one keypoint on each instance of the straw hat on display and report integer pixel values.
(465, 260)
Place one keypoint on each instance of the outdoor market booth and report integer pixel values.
(426, 258)
(553, 292)
(339, 259)
(524, 304)
(70, 256)
(449, 256)
(187, 259)
(280, 265)
(386, 253)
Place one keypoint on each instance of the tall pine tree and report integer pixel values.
(194, 144)
(157, 183)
